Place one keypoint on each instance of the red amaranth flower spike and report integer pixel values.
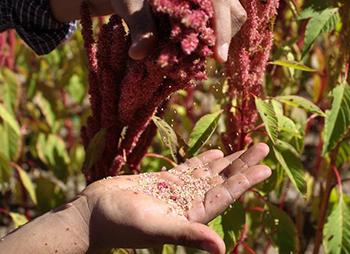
(7, 49)
(248, 55)
(125, 93)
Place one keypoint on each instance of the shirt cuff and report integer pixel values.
(36, 25)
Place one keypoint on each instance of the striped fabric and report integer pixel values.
(34, 23)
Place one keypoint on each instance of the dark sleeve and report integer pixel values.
(34, 23)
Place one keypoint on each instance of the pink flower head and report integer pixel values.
(125, 93)
(248, 55)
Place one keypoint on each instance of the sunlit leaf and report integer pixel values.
(287, 125)
(337, 121)
(282, 230)
(9, 142)
(10, 89)
(46, 108)
(269, 118)
(10, 119)
(168, 249)
(290, 162)
(52, 150)
(168, 135)
(95, 149)
(18, 219)
(336, 232)
(216, 225)
(27, 183)
(343, 155)
(300, 102)
(293, 65)
(202, 131)
(118, 251)
(49, 192)
(76, 88)
(5, 171)
(320, 22)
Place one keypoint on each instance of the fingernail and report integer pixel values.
(264, 173)
(223, 51)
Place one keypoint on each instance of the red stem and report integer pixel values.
(338, 178)
(158, 156)
(283, 196)
(248, 248)
(324, 203)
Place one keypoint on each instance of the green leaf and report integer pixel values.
(10, 89)
(9, 142)
(300, 102)
(52, 150)
(343, 155)
(233, 221)
(337, 121)
(18, 219)
(49, 192)
(336, 232)
(290, 162)
(27, 183)
(77, 157)
(216, 225)
(118, 251)
(269, 118)
(5, 171)
(202, 131)
(168, 249)
(9, 119)
(46, 109)
(323, 21)
(95, 149)
(293, 65)
(282, 230)
(168, 136)
(76, 88)
(287, 125)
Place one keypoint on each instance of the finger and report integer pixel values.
(203, 158)
(249, 158)
(216, 166)
(138, 17)
(222, 24)
(200, 163)
(195, 235)
(220, 197)
(238, 17)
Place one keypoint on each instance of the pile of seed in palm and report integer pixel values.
(179, 197)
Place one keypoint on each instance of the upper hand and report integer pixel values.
(121, 217)
(229, 17)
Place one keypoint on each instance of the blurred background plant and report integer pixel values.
(304, 109)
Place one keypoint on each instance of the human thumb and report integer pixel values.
(138, 16)
(200, 236)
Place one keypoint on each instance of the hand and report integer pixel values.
(229, 17)
(124, 218)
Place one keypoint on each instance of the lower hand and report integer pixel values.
(123, 216)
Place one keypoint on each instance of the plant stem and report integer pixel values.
(158, 156)
(324, 203)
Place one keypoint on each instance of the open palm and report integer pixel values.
(124, 216)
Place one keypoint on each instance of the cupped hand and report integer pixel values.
(229, 17)
(125, 213)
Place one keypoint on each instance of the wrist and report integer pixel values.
(63, 230)
(71, 225)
